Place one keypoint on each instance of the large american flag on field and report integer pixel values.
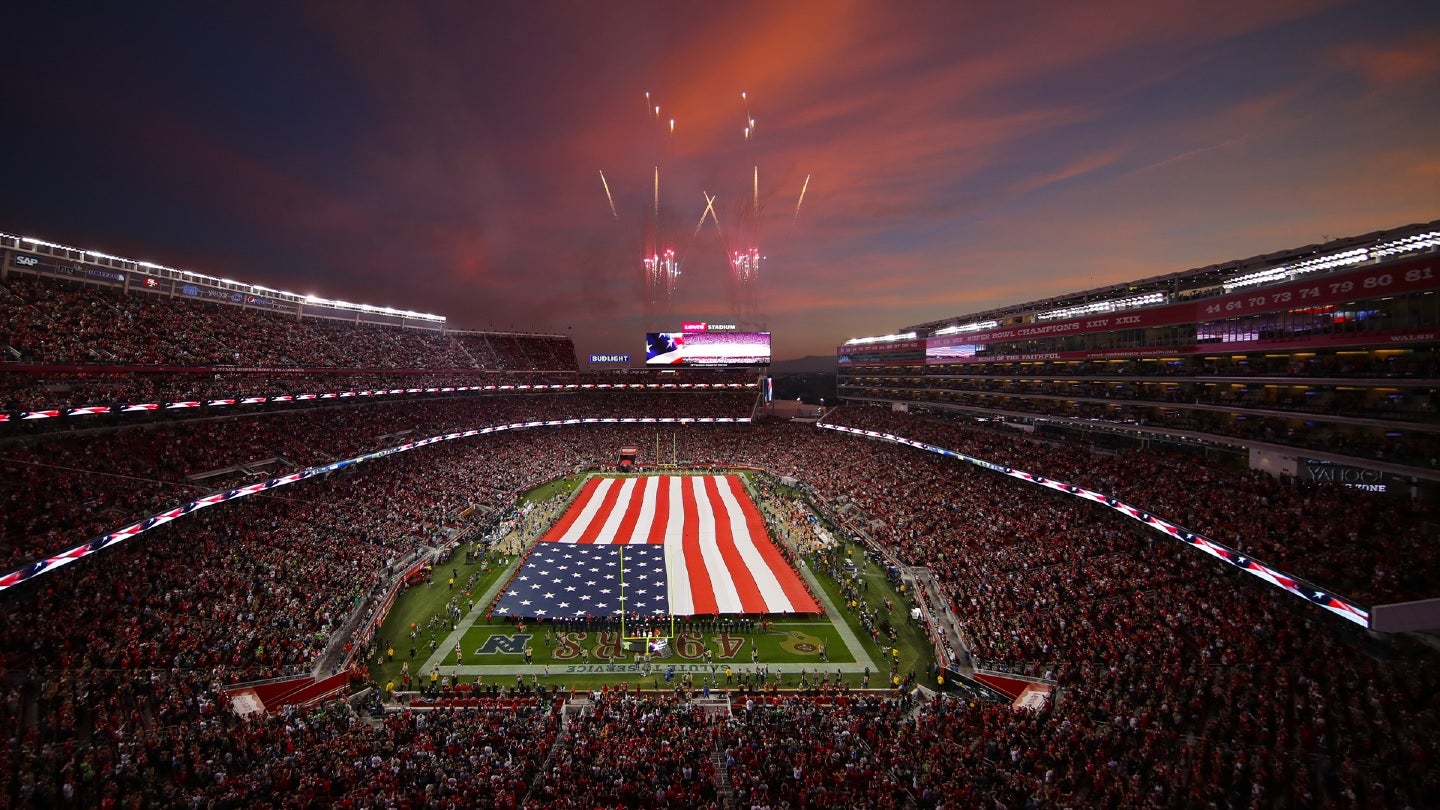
(681, 545)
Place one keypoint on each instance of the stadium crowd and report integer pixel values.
(1409, 404)
(1369, 546)
(62, 489)
(1181, 682)
(642, 751)
(68, 323)
(1404, 442)
(1168, 699)
(41, 389)
(1421, 363)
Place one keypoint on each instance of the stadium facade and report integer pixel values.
(396, 438)
(1318, 362)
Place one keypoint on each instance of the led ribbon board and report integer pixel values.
(118, 536)
(1294, 586)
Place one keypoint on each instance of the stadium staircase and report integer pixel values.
(941, 614)
(460, 344)
(723, 789)
(250, 469)
(574, 707)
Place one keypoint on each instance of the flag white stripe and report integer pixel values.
(587, 513)
(727, 597)
(647, 513)
(617, 512)
(677, 581)
(775, 599)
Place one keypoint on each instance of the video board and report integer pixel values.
(707, 348)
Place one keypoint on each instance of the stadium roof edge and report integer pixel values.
(147, 268)
(1198, 274)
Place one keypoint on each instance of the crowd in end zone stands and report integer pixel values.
(67, 323)
(41, 389)
(1183, 683)
(61, 489)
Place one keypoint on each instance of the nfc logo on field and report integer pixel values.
(505, 645)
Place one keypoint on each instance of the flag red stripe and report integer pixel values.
(662, 513)
(632, 513)
(576, 507)
(591, 532)
(795, 590)
(751, 600)
(702, 593)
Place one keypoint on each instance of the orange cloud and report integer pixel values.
(1413, 60)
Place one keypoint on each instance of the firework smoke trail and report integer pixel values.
(756, 209)
(613, 212)
(801, 200)
(709, 209)
(657, 195)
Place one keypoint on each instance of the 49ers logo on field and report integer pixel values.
(801, 643)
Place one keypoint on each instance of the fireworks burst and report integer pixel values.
(741, 234)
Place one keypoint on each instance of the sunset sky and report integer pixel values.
(445, 157)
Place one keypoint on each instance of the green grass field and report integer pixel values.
(786, 641)
(494, 650)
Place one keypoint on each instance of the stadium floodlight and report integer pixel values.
(967, 327)
(1410, 244)
(880, 339)
(1103, 306)
(1290, 271)
(51, 245)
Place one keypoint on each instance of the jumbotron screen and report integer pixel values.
(707, 348)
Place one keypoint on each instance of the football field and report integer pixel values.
(725, 553)
(688, 545)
